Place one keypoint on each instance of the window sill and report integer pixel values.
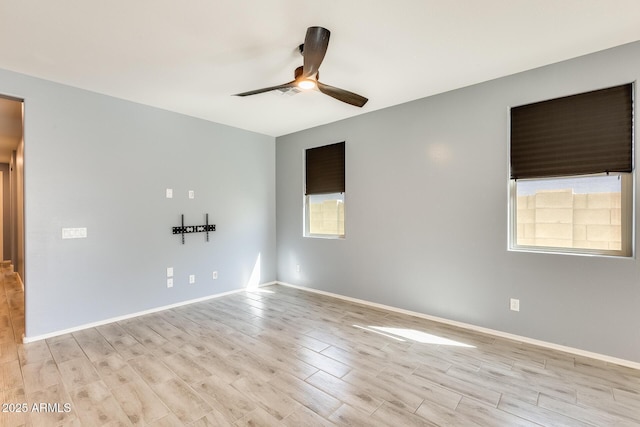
(324, 236)
(568, 251)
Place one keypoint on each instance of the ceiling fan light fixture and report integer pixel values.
(307, 84)
(307, 76)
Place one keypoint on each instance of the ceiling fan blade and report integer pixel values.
(267, 89)
(315, 47)
(342, 95)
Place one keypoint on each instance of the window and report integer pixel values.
(324, 191)
(571, 174)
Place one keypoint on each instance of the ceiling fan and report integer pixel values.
(307, 77)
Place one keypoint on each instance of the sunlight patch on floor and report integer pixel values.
(412, 335)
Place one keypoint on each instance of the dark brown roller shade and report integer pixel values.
(576, 135)
(325, 169)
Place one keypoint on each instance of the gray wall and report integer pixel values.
(426, 216)
(102, 163)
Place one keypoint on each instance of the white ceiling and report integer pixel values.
(191, 56)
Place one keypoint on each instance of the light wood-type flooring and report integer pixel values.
(281, 356)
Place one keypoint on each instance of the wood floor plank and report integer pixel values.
(442, 416)
(186, 366)
(65, 348)
(427, 390)
(151, 369)
(349, 416)
(77, 372)
(306, 394)
(501, 382)
(93, 344)
(465, 388)
(212, 419)
(225, 370)
(304, 416)
(10, 375)
(8, 351)
(126, 345)
(278, 404)
(348, 393)
(383, 388)
(33, 352)
(115, 371)
(14, 396)
(484, 414)
(388, 414)
(139, 402)
(94, 404)
(258, 417)
(322, 362)
(182, 400)
(537, 414)
(167, 421)
(582, 413)
(40, 375)
(224, 398)
(62, 415)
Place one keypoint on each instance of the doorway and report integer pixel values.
(12, 256)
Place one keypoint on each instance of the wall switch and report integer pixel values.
(192, 278)
(170, 272)
(74, 233)
(169, 193)
(515, 304)
(169, 283)
(192, 194)
(215, 275)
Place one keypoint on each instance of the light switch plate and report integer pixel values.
(192, 194)
(169, 193)
(169, 271)
(192, 278)
(74, 233)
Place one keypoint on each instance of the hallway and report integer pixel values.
(11, 331)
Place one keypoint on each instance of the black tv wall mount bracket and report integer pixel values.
(184, 229)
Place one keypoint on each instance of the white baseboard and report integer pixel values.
(545, 344)
(26, 339)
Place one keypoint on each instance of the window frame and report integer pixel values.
(600, 103)
(323, 190)
(307, 220)
(627, 208)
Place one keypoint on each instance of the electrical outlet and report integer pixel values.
(169, 283)
(298, 268)
(169, 271)
(169, 193)
(515, 304)
(215, 275)
(192, 278)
